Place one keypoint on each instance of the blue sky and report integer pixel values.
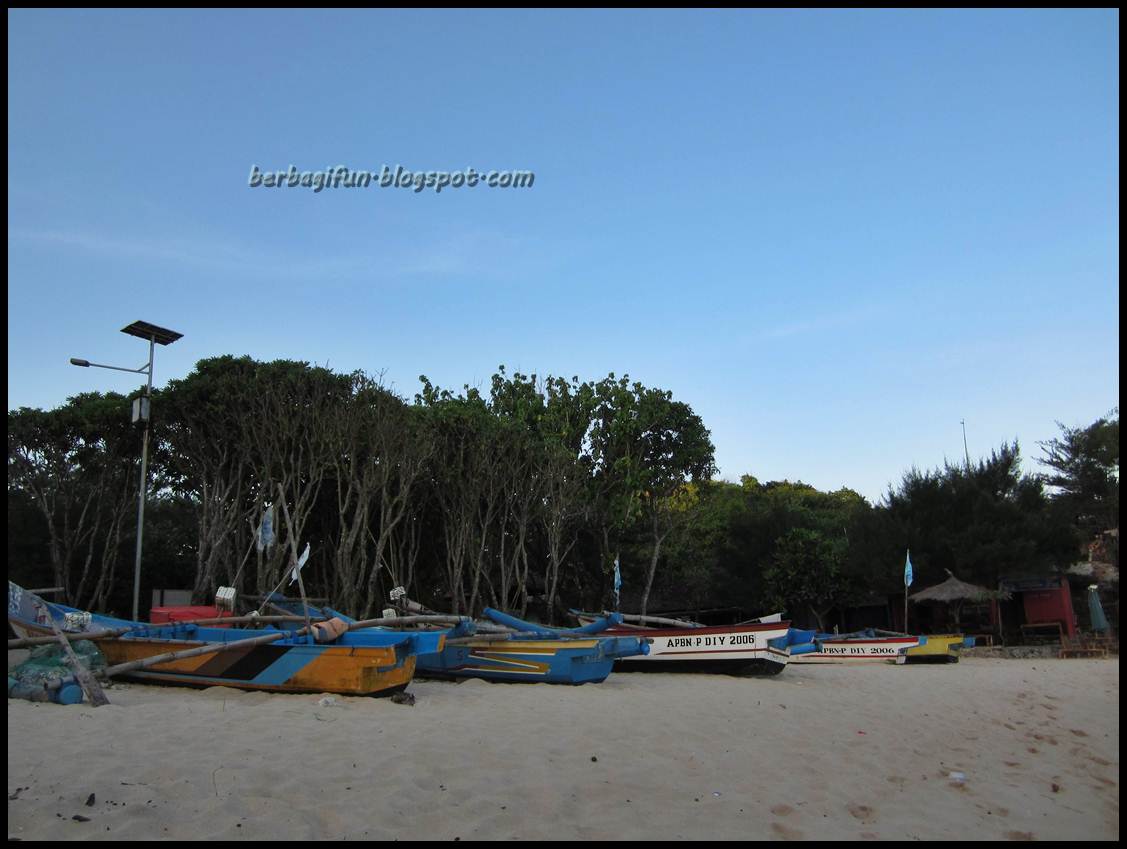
(834, 234)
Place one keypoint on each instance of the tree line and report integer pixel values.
(521, 495)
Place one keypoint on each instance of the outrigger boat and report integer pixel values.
(352, 659)
(523, 654)
(939, 648)
(860, 646)
(758, 647)
(533, 656)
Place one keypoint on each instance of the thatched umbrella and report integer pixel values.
(956, 592)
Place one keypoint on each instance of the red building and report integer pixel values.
(1037, 605)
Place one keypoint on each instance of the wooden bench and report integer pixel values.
(1085, 646)
(1072, 651)
(1044, 632)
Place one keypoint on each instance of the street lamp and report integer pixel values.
(156, 336)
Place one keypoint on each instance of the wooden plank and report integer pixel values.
(633, 619)
(209, 648)
(90, 687)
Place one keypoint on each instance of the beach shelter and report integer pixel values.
(956, 593)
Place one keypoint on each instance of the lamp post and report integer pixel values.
(141, 406)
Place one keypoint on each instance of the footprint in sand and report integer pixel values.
(1078, 732)
(786, 833)
(862, 812)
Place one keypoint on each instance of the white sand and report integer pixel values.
(678, 757)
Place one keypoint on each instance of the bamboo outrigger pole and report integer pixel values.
(27, 642)
(657, 620)
(90, 687)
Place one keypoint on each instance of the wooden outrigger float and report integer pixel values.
(356, 658)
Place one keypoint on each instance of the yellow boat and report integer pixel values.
(939, 648)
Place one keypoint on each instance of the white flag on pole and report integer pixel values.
(300, 562)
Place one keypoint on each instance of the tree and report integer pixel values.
(202, 451)
(806, 569)
(466, 485)
(379, 453)
(77, 464)
(982, 523)
(1085, 474)
(645, 447)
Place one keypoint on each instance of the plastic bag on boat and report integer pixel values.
(326, 632)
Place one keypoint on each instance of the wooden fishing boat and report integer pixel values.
(939, 648)
(811, 647)
(751, 648)
(360, 662)
(531, 659)
(531, 654)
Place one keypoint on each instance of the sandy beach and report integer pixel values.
(861, 752)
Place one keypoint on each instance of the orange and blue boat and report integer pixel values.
(527, 653)
(366, 661)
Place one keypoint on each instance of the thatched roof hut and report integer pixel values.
(954, 590)
(956, 593)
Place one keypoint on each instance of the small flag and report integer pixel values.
(300, 562)
(266, 529)
(908, 569)
(617, 582)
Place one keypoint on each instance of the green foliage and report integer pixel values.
(1085, 474)
(77, 465)
(804, 569)
(519, 497)
(982, 524)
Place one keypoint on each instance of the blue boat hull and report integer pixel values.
(545, 661)
(539, 655)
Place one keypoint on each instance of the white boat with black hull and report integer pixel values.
(756, 648)
(863, 646)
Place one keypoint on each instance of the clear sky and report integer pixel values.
(834, 234)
